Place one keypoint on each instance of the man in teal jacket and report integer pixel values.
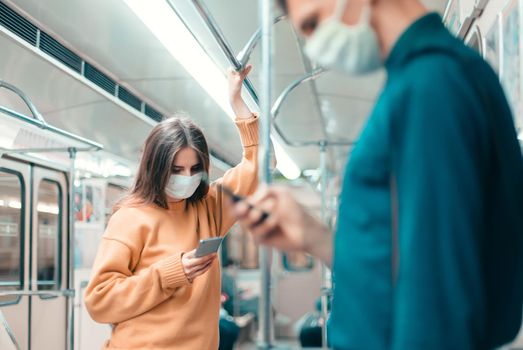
(428, 252)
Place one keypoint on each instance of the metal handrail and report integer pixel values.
(218, 35)
(477, 11)
(27, 100)
(44, 150)
(71, 244)
(69, 293)
(224, 45)
(307, 77)
(43, 125)
(275, 111)
(265, 338)
(245, 54)
(279, 102)
(9, 331)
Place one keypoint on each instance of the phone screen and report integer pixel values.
(208, 246)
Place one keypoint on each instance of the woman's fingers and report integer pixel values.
(200, 269)
(195, 262)
(190, 254)
(192, 265)
(232, 73)
(246, 71)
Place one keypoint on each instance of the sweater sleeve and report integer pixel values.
(438, 166)
(116, 293)
(242, 179)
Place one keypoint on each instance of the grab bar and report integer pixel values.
(29, 103)
(39, 121)
(238, 62)
(68, 293)
(9, 331)
(245, 54)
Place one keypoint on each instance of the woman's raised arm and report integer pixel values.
(240, 108)
(243, 178)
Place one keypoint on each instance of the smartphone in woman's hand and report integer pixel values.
(208, 246)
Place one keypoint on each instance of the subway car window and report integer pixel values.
(11, 232)
(49, 233)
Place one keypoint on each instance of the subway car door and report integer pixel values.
(15, 210)
(48, 314)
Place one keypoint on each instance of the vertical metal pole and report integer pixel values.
(70, 282)
(325, 285)
(266, 18)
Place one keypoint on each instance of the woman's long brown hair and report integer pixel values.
(161, 146)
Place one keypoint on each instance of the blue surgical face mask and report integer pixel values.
(183, 187)
(351, 49)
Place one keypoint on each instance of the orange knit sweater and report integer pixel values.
(138, 283)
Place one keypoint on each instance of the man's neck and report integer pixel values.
(390, 19)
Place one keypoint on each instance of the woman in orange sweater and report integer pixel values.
(146, 281)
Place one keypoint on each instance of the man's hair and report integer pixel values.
(283, 5)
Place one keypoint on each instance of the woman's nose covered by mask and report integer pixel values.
(351, 49)
(183, 187)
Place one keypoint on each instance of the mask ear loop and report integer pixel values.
(339, 10)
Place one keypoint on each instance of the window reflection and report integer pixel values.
(49, 233)
(11, 221)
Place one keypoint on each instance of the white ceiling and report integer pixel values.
(111, 37)
(65, 101)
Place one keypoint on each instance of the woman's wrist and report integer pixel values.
(236, 79)
(240, 108)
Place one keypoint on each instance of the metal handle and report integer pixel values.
(266, 331)
(279, 102)
(275, 111)
(29, 103)
(91, 145)
(478, 9)
(9, 331)
(222, 42)
(245, 54)
(68, 293)
(39, 121)
(283, 96)
(239, 62)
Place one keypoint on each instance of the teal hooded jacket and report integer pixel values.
(429, 246)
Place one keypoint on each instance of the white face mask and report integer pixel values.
(352, 49)
(183, 187)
